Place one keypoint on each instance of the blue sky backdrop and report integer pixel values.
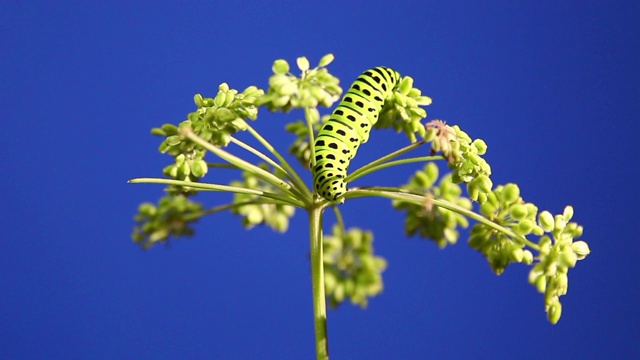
(552, 87)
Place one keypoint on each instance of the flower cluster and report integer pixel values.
(351, 270)
(429, 221)
(172, 216)
(505, 207)
(313, 88)
(402, 111)
(557, 249)
(463, 157)
(558, 253)
(215, 120)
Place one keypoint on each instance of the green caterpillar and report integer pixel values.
(348, 127)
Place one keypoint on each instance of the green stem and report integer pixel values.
(356, 174)
(396, 194)
(219, 208)
(292, 174)
(277, 198)
(257, 153)
(317, 278)
(374, 168)
(312, 145)
(240, 163)
(339, 219)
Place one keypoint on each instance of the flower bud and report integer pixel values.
(560, 222)
(554, 311)
(326, 60)
(581, 249)
(518, 211)
(197, 98)
(568, 213)
(288, 89)
(303, 63)
(525, 226)
(545, 219)
(280, 66)
(487, 209)
(480, 146)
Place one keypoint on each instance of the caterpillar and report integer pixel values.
(348, 127)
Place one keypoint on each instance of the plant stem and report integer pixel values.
(312, 144)
(240, 163)
(257, 153)
(381, 166)
(276, 198)
(291, 173)
(394, 193)
(356, 174)
(317, 279)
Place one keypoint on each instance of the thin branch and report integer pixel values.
(240, 163)
(291, 173)
(381, 166)
(418, 199)
(356, 174)
(217, 187)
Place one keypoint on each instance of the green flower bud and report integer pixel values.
(581, 249)
(485, 184)
(423, 101)
(303, 63)
(545, 245)
(510, 193)
(326, 60)
(562, 284)
(199, 168)
(147, 209)
(560, 222)
(480, 146)
(288, 89)
(224, 87)
(170, 129)
(488, 209)
(568, 213)
(405, 85)
(218, 101)
(197, 98)
(173, 140)
(517, 254)
(280, 66)
(224, 114)
(545, 220)
(158, 132)
(574, 229)
(180, 159)
(527, 257)
(537, 230)
(568, 258)
(518, 211)
(524, 227)
(229, 96)
(554, 311)
(184, 170)
(431, 170)
(541, 283)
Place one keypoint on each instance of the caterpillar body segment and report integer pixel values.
(349, 126)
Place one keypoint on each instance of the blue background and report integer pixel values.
(552, 87)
